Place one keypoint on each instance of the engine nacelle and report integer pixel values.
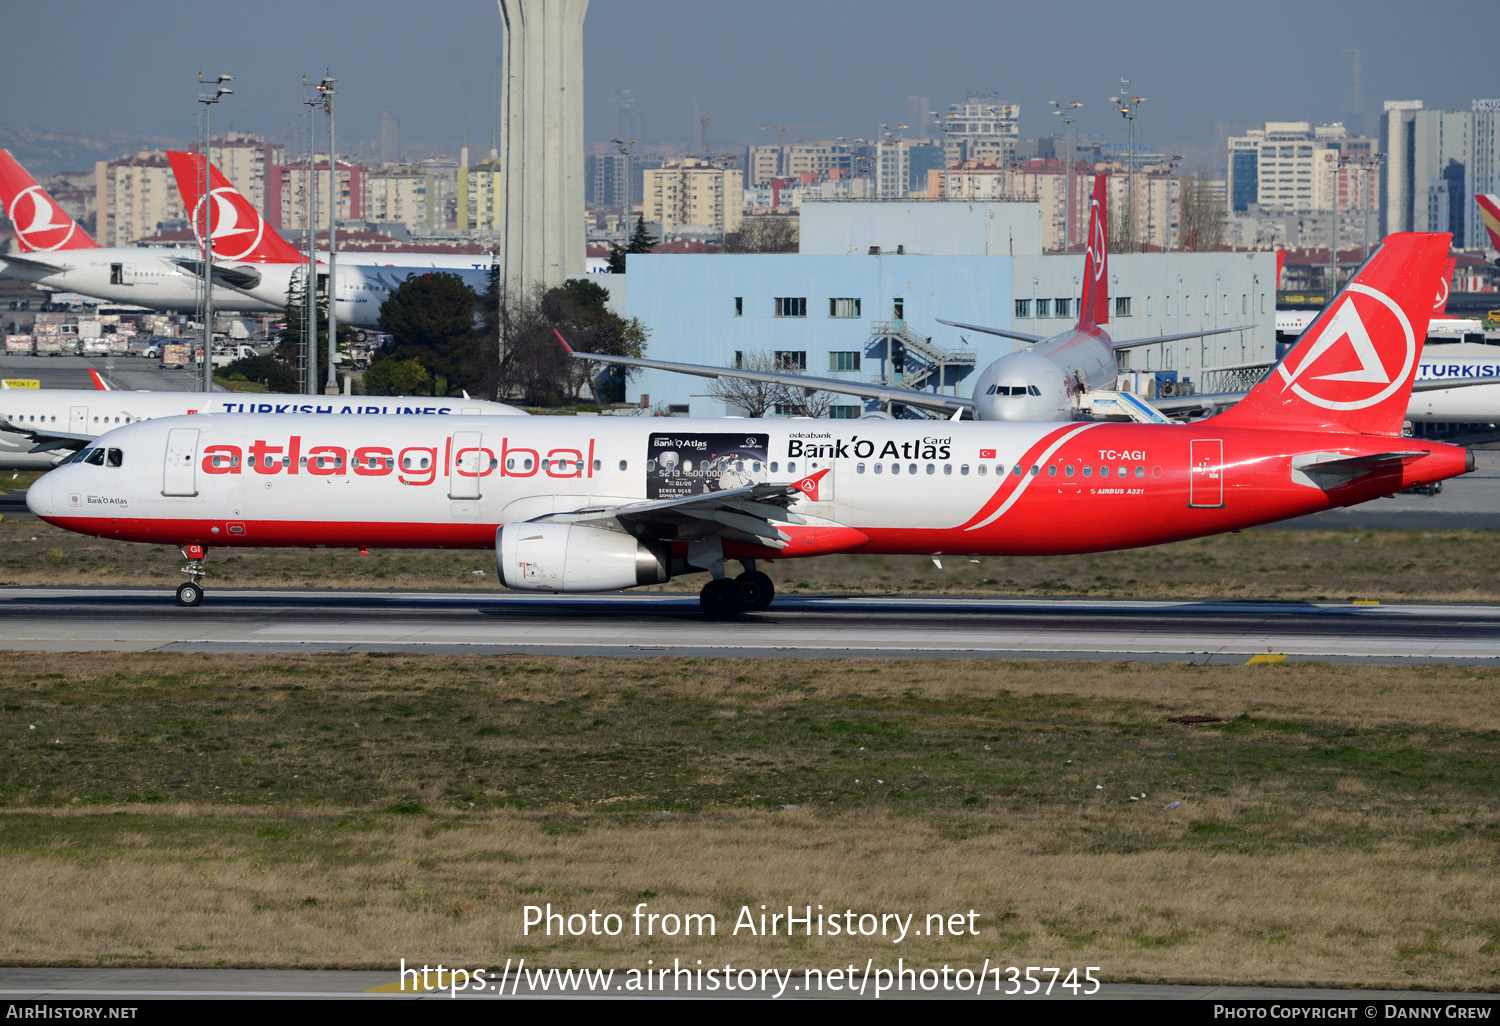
(568, 557)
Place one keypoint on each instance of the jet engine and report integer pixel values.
(570, 557)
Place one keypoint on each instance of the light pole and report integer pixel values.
(1333, 252)
(1368, 163)
(622, 147)
(1129, 107)
(1171, 183)
(207, 203)
(331, 385)
(310, 283)
(1069, 114)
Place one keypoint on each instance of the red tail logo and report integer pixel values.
(1440, 304)
(41, 225)
(236, 229)
(1344, 355)
(1094, 307)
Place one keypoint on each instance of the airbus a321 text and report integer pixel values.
(581, 504)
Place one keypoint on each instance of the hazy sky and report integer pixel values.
(98, 67)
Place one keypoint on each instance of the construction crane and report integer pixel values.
(779, 129)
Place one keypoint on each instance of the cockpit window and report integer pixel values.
(95, 457)
(82, 455)
(114, 458)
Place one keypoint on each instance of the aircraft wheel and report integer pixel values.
(756, 590)
(721, 599)
(189, 594)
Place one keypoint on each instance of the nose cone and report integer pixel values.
(39, 495)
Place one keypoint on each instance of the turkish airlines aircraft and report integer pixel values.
(252, 258)
(56, 254)
(40, 427)
(1046, 381)
(577, 505)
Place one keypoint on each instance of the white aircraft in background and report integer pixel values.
(1049, 380)
(41, 427)
(54, 253)
(251, 258)
(576, 505)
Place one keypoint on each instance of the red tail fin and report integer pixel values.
(1353, 368)
(1440, 304)
(1094, 308)
(238, 230)
(41, 225)
(1489, 213)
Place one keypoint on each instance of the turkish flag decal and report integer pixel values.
(986, 454)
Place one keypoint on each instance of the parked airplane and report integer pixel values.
(54, 253)
(1049, 380)
(252, 258)
(41, 427)
(1489, 213)
(577, 505)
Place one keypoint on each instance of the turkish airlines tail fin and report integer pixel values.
(1093, 310)
(1489, 212)
(41, 225)
(1353, 367)
(1440, 302)
(238, 230)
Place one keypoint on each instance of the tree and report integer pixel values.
(772, 234)
(641, 241)
(1201, 219)
(757, 398)
(530, 361)
(396, 377)
(430, 318)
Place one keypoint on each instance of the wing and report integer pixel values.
(1019, 336)
(49, 440)
(947, 404)
(31, 262)
(1131, 343)
(239, 278)
(749, 514)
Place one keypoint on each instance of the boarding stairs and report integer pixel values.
(923, 359)
(1107, 405)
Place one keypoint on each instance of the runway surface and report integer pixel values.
(78, 619)
(70, 985)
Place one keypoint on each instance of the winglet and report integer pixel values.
(563, 341)
(100, 384)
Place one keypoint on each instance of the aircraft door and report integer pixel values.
(181, 474)
(470, 463)
(1206, 477)
(78, 420)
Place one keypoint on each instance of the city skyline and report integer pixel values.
(844, 65)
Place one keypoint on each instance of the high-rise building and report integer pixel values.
(480, 196)
(133, 196)
(981, 128)
(692, 191)
(390, 138)
(1435, 161)
(287, 194)
(1292, 166)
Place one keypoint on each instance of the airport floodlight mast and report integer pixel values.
(1370, 165)
(622, 147)
(207, 205)
(310, 290)
(1069, 114)
(1333, 253)
(331, 387)
(1129, 106)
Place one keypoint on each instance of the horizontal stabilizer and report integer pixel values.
(1131, 343)
(1364, 464)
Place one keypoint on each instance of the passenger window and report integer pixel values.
(859, 468)
(547, 464)
(1124, 471)
(791, 468)
(1017, 470)
(598, 464)
(931, 469)
(1035, 470)
(1103, 471)
(650, 466)
(622, 464)
(895, 468)
(983, 470)
(1068, 470)
(948, 468)
(1051, 470)
(878, 468)
(964, 470)
(525, 464)
(1140, 472)
(390, 463)
(1088, 471)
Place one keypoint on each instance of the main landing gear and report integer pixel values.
(724, 598)
(191, 593)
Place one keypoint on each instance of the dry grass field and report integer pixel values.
(1266, 563)
(1340, 826)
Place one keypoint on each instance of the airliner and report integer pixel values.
(1047, 381)
(1489, 213)
(581, 505)
(40, 427)
(56, 254)
(252, 258)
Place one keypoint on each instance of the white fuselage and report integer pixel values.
(1472, 404)
(1040, 382)
(93, 412)
(130, 276)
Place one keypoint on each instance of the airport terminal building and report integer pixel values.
(863, 298)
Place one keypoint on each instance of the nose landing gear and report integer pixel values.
(191, 593)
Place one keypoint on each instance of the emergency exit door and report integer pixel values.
(1206, 480)
(180, 476)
